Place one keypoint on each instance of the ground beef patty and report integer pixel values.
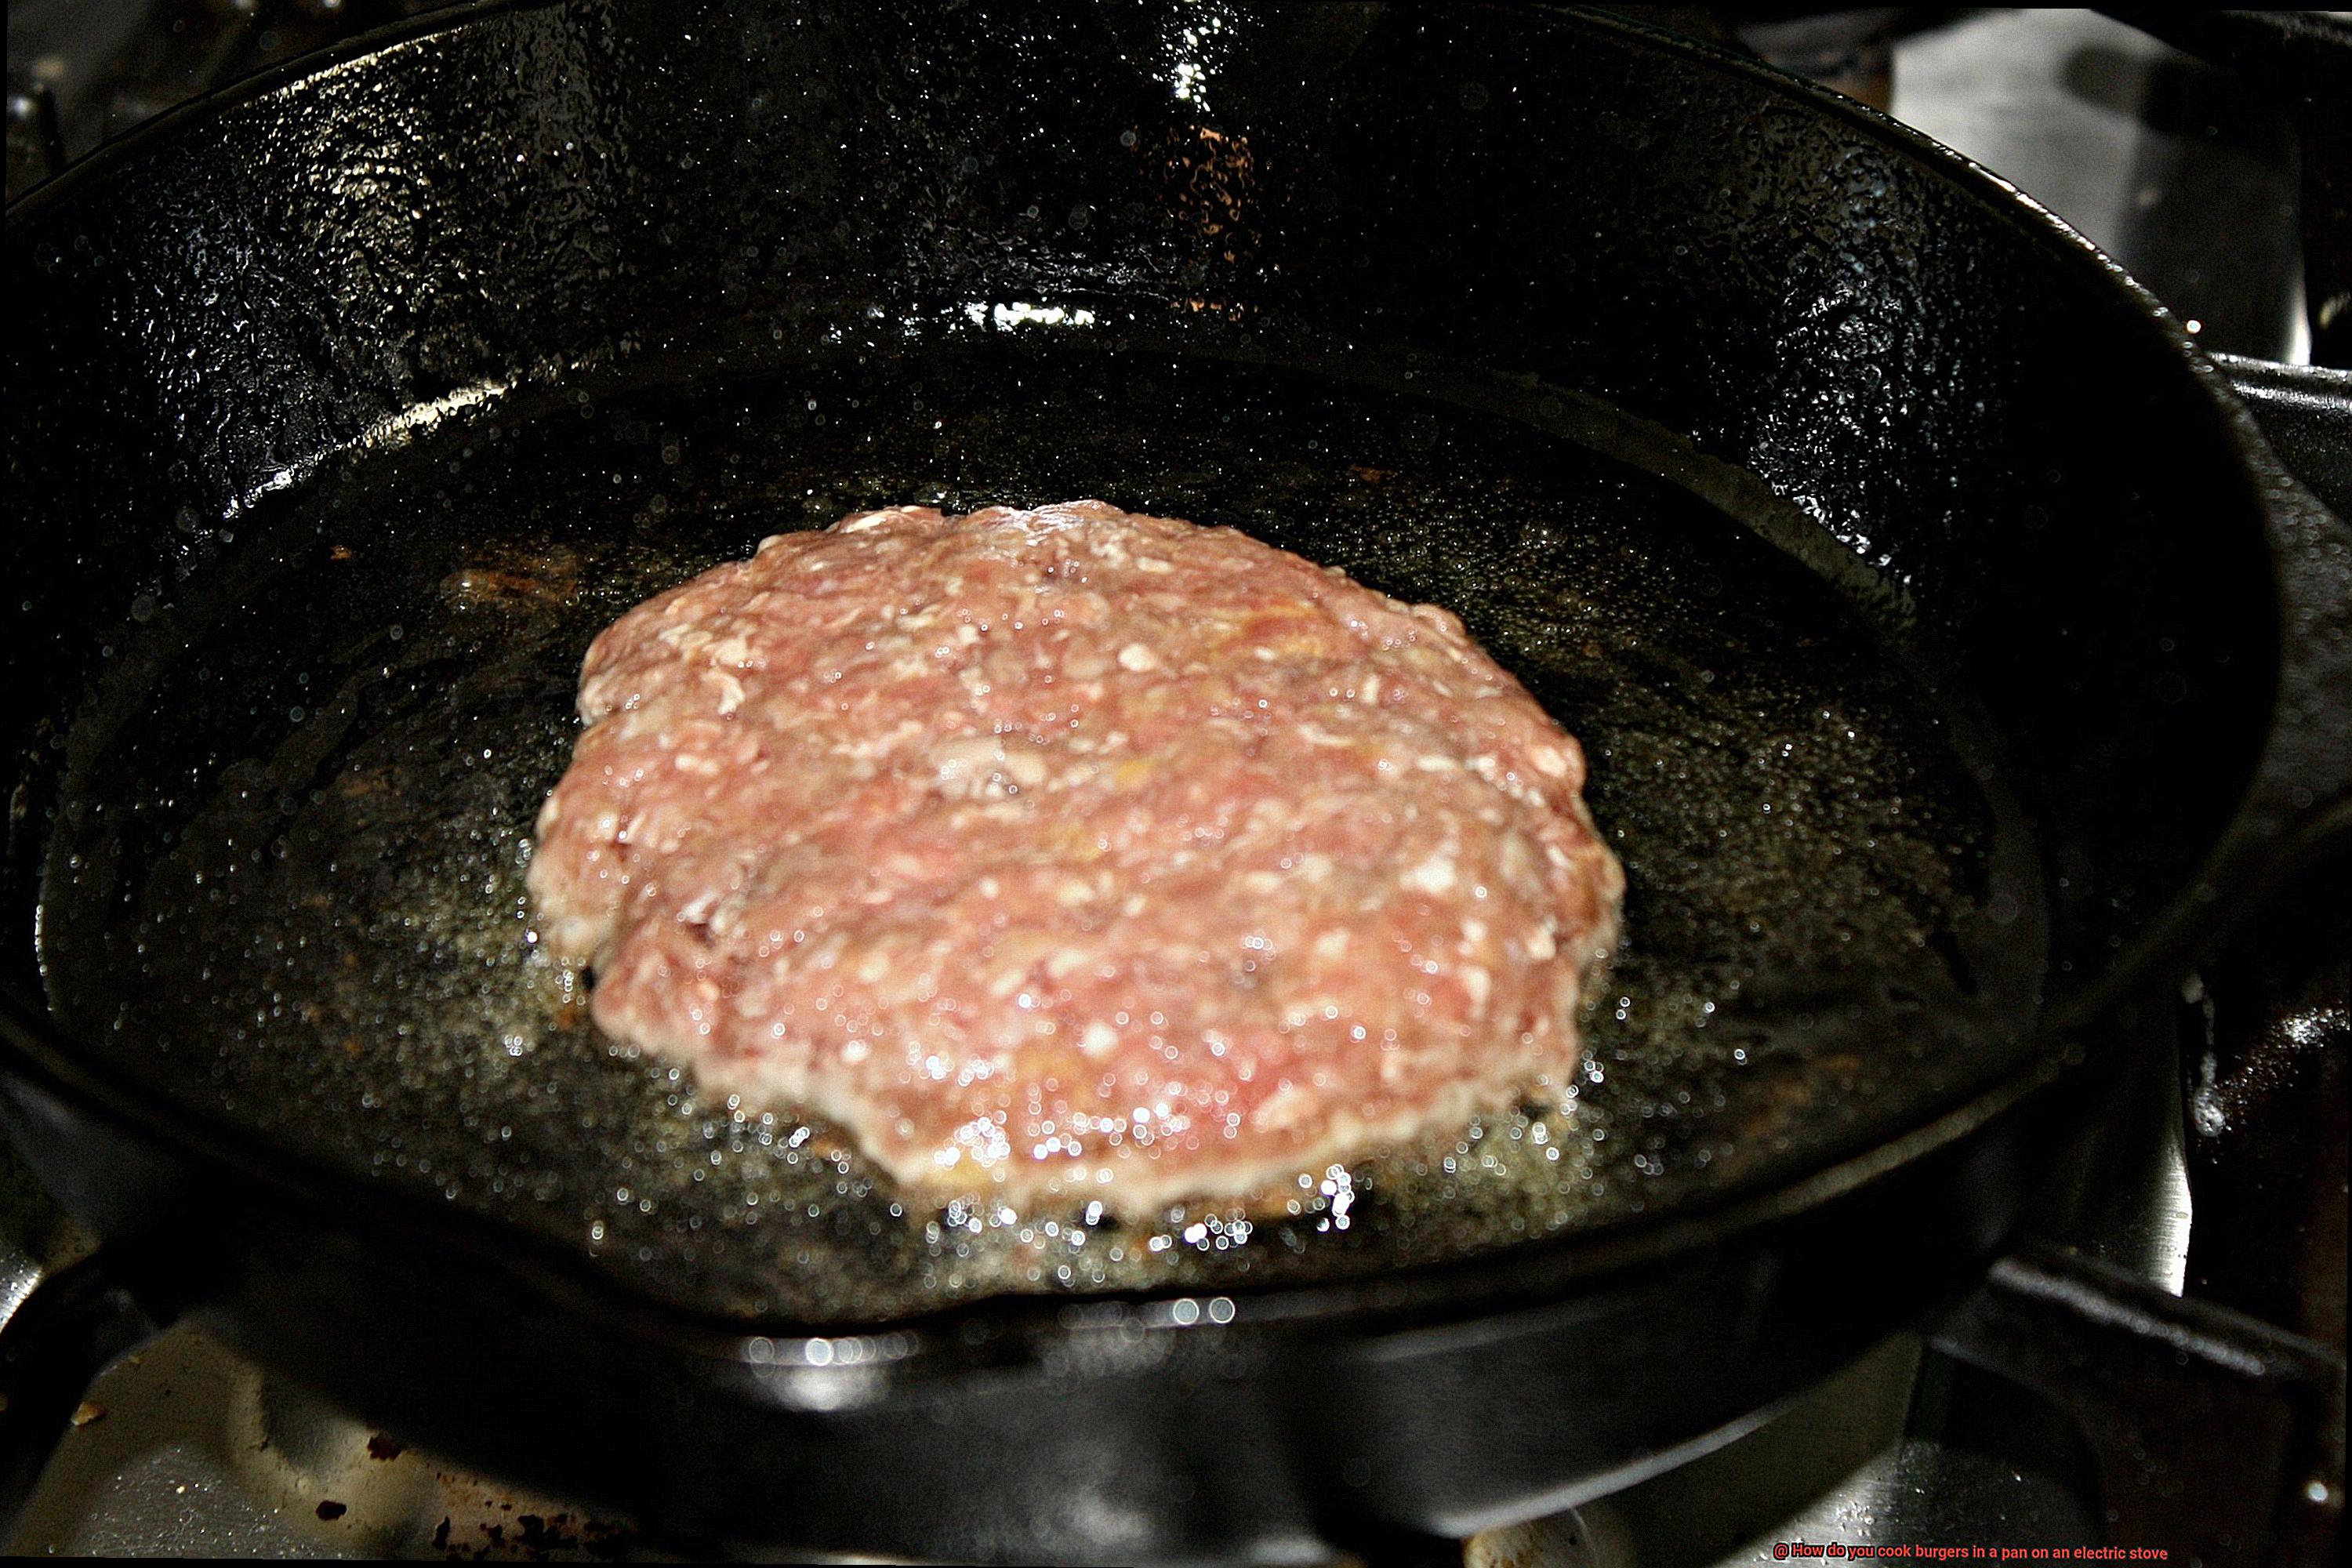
(1075, 852)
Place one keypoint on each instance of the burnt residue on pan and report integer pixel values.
(286, 887)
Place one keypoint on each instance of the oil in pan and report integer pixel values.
(288, 885)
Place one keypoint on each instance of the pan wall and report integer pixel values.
(1964, 406)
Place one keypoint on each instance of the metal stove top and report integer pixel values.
(186, 1447)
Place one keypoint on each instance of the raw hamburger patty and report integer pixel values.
(1075, 852)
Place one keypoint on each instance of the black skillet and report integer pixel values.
(1954, 657)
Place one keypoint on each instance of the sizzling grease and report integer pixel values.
(295, 899)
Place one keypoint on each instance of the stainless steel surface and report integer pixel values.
(1876, 1456)
(2173, 167)
(189, 1449)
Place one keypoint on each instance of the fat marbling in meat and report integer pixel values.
(1070, 854)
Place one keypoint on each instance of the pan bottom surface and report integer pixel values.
(286, 887)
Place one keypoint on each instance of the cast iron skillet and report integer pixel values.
(1953, 654)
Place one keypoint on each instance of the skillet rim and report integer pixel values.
(1453, 1290)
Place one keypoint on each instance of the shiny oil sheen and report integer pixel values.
(300, 902)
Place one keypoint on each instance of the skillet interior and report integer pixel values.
(300, 904)
(1517, 248)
